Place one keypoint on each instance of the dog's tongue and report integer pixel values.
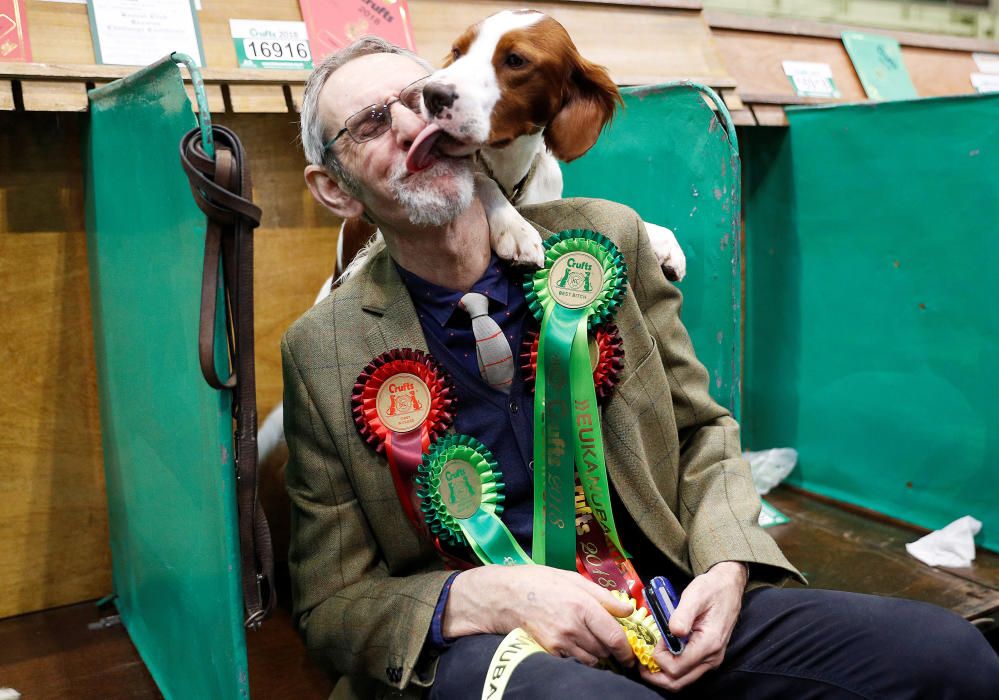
(420, 154)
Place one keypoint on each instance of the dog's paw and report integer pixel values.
(668, 252)
(518, 241)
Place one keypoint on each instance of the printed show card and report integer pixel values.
(333, 24)
(878, 62)
(271, 44)
(810, 79)
(139, 32)
(985, 82)
(14, 44)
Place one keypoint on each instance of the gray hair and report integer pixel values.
(313, 130)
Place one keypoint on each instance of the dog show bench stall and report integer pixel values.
(54, 508)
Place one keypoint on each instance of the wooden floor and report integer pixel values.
(852, 549)
(53, 654)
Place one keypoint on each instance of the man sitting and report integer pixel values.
(372, 596)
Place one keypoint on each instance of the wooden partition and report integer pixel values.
(754, 47)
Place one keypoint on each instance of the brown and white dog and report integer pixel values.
(515, 91)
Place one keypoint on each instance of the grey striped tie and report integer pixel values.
(491, 347)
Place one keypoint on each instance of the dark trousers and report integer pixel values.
(794, 644)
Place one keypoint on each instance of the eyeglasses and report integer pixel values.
(374, 120)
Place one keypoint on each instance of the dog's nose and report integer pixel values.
(437, 96)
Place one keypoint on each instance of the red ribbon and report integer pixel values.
(599, 560)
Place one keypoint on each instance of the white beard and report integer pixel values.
(437, 195)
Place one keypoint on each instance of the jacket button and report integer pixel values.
(514, 406)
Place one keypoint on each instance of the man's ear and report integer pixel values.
(330, 194)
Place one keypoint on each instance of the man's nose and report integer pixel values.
(406, 124)
(437, 96)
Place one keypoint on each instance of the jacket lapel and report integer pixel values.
(386, 298)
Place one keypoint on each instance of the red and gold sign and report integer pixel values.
(14, 44)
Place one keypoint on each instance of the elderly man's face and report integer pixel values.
(390, 192)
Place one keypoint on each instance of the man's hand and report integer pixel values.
(567, 614)
(706, 614)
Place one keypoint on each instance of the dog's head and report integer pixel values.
(515, 73)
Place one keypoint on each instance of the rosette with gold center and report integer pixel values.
(606, 358)
(461, 496)
(580, 287)
(401, 401)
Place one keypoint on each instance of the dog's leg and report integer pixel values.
(509, 233)
(668, 252)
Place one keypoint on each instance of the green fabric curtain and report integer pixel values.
(675, 161)
(167, 435)
(872, 321)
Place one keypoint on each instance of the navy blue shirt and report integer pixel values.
(503, 423)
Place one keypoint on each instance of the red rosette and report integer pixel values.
(402, 401)
(610, 359)
(364, 398)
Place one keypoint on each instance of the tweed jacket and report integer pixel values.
(365, 585)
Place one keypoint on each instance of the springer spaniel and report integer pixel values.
(515, 91)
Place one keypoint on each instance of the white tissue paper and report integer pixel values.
(953, 545)
(9, 694)
(770, 467)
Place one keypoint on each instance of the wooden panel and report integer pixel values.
(743, 117)
(937, 72)
(842, 549)
(720, 19)
(257, 98)
(216, 104)
(6, 95)
(297, 94)
(732, 100)
(53, 96)
(60, 32)
(53, 520)
(630, 41)
(755, 62)
(769, 115)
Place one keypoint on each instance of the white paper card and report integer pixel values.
(269, 44)
(810, 79)
(138, 32)
(987, 62)
(985, 82)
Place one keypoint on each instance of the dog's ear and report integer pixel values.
(590, 100)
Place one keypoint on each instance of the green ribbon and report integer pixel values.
(567, 429)
(461, 496)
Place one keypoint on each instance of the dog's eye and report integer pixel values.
(515, 60)
(455, 54)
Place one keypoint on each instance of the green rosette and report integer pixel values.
(461, 496)
(581, 285)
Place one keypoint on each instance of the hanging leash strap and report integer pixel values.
(221, 188)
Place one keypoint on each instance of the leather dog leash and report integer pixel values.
(221, 188)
